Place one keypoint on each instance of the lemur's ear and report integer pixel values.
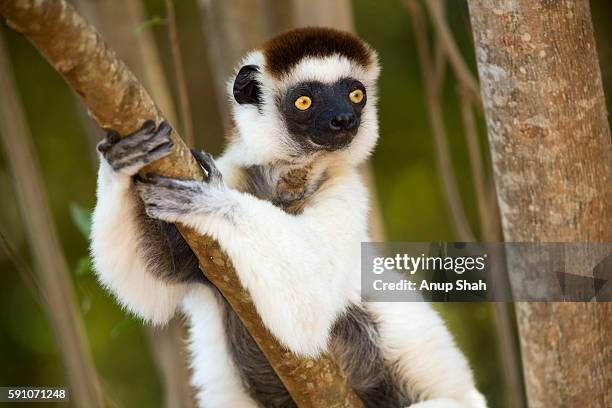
(246, 87)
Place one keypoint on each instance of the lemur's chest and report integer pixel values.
(288, 188)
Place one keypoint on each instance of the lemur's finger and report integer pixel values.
(120, 155)
(146, 133)
(103, 146)
(133, 140)
(148, 192)
(208, 163)
(164, 128)
(147, 128)
(132, 163)
(132, 152)
(111, 138)
(157, 153)
(172, 183)
(160, 201)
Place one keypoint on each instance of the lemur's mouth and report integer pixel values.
(337, 141)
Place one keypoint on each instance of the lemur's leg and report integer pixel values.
(215, 374)
(431, 369)
(144, 262)
(444, 403)
(301, 271)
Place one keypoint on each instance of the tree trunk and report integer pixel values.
(552, 157)
(50, 265)
(116, 100)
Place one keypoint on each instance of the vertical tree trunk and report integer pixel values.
(552, 158)
(139, 52)
(50, 264)
(232, 29)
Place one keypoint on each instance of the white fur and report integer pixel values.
(117, 258)
(476, 402)
(214, 373)
(263, 135)
(415, 339)
(302, 272)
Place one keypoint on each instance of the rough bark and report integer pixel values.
(50, 265)
(552, 157)
(116, 100)
(140, 54)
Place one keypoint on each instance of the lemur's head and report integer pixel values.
(307, 92)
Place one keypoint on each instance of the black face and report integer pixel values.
(318, 116)
(322, 116)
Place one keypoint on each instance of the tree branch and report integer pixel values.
(479, 176)
(444, 163)
(446, 41)
(140, 53)
(116, 100)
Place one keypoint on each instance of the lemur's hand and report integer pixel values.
(131, 153)
(169, 199)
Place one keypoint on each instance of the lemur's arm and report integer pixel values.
(134, 255)
(301, 271)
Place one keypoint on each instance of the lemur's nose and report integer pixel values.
(343, 121)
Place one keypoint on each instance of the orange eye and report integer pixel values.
(356, 96)
(303, 102)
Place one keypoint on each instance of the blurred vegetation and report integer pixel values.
(409, 192)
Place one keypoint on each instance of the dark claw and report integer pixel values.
(208, 163)
(113, 136)
(199, 156)
(147, 127)
(103, 146)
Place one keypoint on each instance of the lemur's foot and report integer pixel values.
(131, 153)
(168, 199)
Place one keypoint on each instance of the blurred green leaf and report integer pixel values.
(152, 22)
(83, 266)
(86, 305)
(81, 218)
(121, 326)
